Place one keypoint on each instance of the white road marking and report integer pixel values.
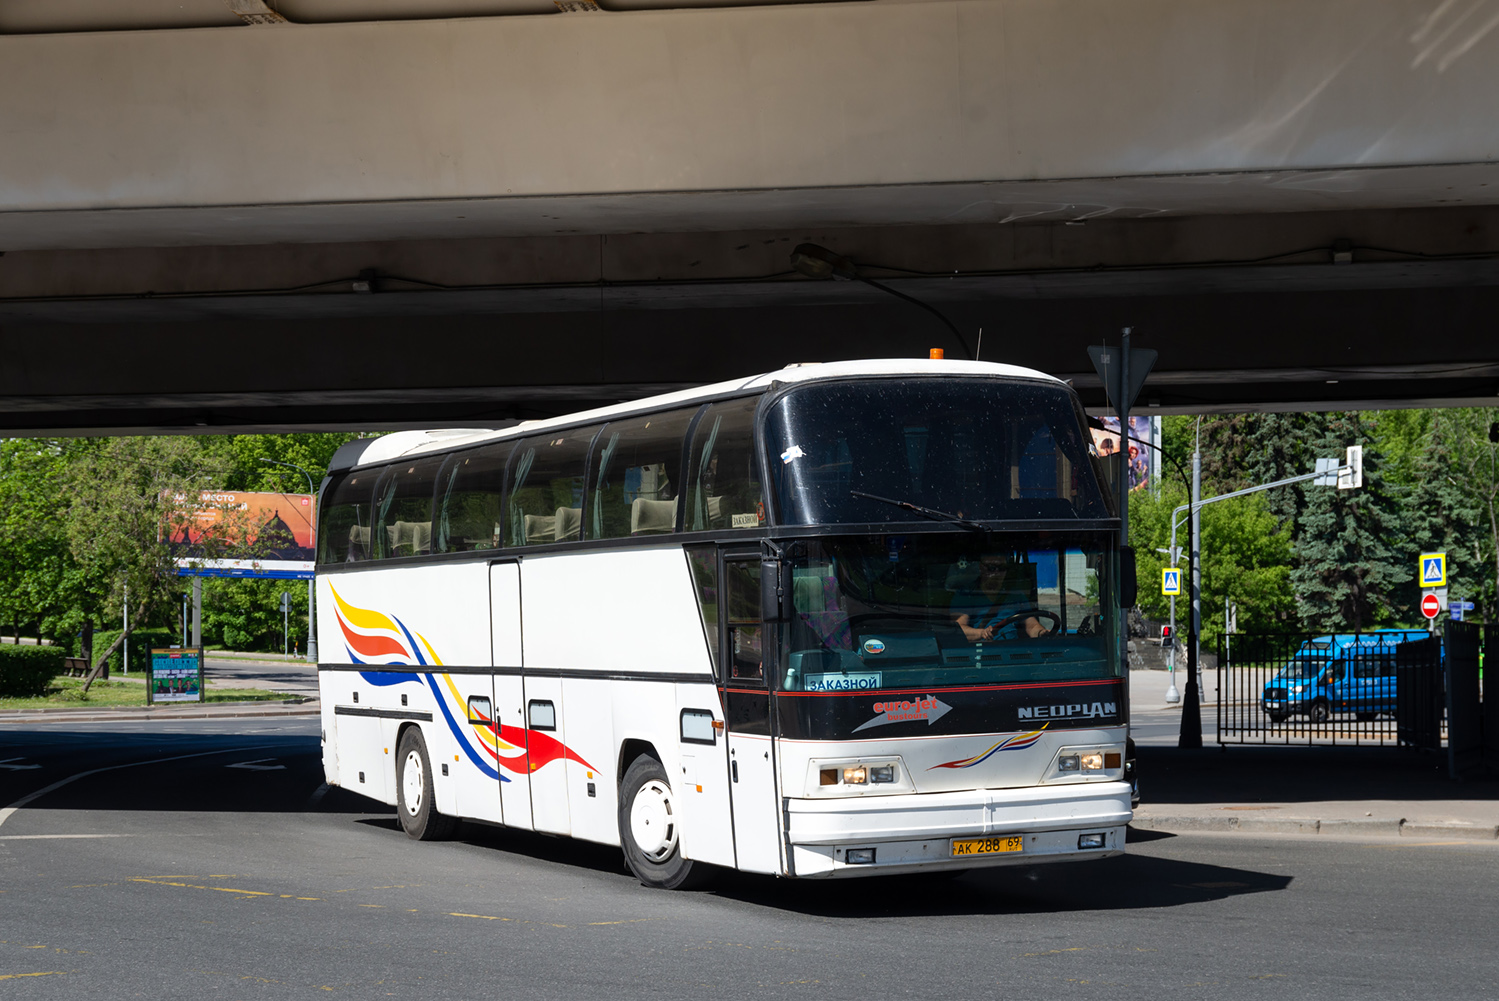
(49, 837)
(6, 813)
(8, 765)
(256, 766)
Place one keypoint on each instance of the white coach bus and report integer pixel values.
(837, 620)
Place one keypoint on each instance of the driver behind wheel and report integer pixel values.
(981, 608)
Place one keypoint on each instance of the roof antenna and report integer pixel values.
(978, 351)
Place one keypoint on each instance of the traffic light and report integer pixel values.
(1165, 636)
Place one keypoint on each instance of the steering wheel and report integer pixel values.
(1031, 613)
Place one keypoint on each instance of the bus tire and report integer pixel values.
(416, 806)
(1320, 712)
(649, 829)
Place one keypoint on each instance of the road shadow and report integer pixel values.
(1130, 882)
(529, 844)
(1300, 774)
(168, 772)
(1127, 883)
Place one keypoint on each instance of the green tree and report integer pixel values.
(35, 562)
(126, 498)
(1245, 558)
(1348, 574)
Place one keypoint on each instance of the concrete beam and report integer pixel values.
(829, 114)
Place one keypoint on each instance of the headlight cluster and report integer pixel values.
(1077, 763)
(857, 776)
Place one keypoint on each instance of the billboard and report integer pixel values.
(1144, 461)
(253, 534)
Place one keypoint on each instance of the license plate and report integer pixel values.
(988, 846)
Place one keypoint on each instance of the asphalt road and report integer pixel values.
(222, 873)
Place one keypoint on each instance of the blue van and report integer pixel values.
(1343, 673)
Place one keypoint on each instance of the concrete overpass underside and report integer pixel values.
(231, 221)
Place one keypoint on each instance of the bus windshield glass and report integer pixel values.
(953, 449)
(934, 609)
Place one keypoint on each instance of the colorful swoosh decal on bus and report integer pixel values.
(1014, 742)
(377, 635)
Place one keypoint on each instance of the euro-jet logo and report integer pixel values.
(1074, 711)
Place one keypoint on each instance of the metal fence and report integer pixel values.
(1376, 688)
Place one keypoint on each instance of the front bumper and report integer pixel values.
(913, 832)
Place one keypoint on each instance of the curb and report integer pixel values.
(1361, 827)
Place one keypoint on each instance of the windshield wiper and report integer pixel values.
(925, 512)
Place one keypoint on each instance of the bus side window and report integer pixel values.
(403, 510)
(344, 522)
(723, 475)
(704, 563)
(746, 653)
(469, 489)
(546, 488)
(635, 476)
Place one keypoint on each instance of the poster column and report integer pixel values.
(176, 675)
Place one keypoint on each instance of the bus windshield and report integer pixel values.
(880, 450)
(925, 610)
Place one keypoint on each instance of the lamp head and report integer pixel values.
(819, 262)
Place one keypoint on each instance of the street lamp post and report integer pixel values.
(311, 584)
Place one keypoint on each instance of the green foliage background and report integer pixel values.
(80, 519)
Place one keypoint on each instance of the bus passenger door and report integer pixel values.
(509, 697)
(744, 657)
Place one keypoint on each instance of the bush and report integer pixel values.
(27, 670)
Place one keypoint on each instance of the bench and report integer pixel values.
(77, 667)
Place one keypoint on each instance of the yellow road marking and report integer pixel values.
(45, 973)
(496, 917)
(626, 921)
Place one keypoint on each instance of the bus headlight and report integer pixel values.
(1074, 764)
(856, 777)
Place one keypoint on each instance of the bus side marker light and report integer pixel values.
(1087, 841)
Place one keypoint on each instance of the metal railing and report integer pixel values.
(1375, 688)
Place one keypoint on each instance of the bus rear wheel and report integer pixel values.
(415, 803)
(650, 829)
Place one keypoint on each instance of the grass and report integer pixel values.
(65, 692)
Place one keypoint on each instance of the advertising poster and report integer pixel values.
(1143, 434)
(176, 675)
(266, 535)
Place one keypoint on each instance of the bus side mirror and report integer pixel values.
(775, 590)
(1128, 585)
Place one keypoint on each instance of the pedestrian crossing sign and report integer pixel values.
(1433, 569)
(1171, 581)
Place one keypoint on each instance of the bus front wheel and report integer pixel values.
(650, 829)
(415, 804)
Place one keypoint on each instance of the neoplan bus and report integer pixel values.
(837, 620)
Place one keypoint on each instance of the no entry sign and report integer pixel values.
(1430, 606)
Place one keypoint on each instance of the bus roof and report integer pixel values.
(370, 451)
